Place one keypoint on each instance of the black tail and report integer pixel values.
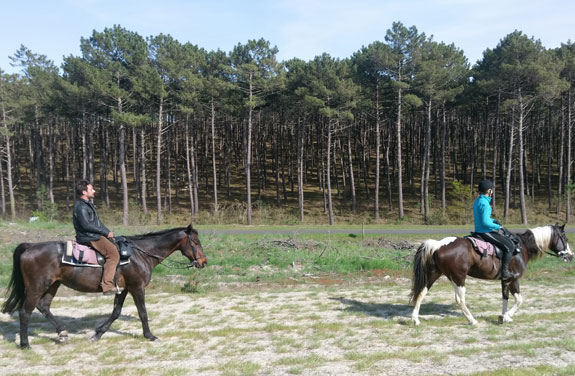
(16, 286)
(419, 280)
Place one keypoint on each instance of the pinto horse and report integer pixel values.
(456, 258)
(38, 273)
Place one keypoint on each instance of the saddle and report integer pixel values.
(483, 248)
(486, 249)
(82, 255)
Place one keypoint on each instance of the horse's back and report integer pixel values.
(42, 252)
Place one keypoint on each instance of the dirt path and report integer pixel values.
(344, 329)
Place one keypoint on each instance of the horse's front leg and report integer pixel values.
(139, 300)
(513, 287)
(460, 299)
(118, 304)
(44, 307)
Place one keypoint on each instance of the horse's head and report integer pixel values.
(192, 248)
(559, 243)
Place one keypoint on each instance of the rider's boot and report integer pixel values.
(505, 273)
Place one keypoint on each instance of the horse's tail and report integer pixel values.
(422, 260)
(16, 286)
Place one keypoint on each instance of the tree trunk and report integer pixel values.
(509, 169)
(328, 175)
(300, 166)
(189, 171)
(351, 176)
(143, 170)
(159, 160)
(399, 166)
(442, 161)
(561, 161)
(568, 167)
(521, 159)
(214, 169)
(248, 155)
(9, 165)
(377, 154)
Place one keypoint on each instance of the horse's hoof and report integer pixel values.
(416, 322)
(474, 323)
(95, 338)
(500, 319)
(154, 339)
(63, 339)
(25, 346)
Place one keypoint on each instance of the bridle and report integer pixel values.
(565, 247)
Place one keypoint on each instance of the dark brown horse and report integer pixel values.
(38, 273)
(456, 258)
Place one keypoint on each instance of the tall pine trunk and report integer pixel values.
(214, 169)
(159, 160)
(248, 153)
(521, 161)
(328, 176)
(377, 154)
(399, 166)
(9, 165)
(300, 166)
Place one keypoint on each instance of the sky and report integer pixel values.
(299, 28)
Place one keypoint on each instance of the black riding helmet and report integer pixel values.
(485, 185)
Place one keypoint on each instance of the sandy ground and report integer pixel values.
(321, 327)
(343, 329)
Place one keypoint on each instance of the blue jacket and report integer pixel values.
(482, 215)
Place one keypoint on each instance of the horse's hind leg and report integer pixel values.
(431, 280)
(118, 304)
(44, 307)
(460, 299)
(25, 313)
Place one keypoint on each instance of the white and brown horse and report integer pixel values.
(456, 258)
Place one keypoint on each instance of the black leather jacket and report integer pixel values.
(86, 222)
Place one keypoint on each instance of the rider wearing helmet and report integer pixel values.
(489, 229)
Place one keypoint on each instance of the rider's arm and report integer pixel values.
(485, 215)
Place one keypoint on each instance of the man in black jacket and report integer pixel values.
(90, 231)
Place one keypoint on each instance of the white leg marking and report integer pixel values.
(460, 299)
(518, 301)
(415, 313)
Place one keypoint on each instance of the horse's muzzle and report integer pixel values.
(198, 264)
(566, 256)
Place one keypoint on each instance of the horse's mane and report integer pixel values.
(537, 238)
(157, 233)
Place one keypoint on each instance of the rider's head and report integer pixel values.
(82, 186)
(485, 187)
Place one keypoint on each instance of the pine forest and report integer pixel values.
(402, 130)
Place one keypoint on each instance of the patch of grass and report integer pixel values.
(308, 361)
(541, 370)
(239, 368)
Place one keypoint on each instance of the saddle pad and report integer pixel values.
(481, 246)
(81, 255)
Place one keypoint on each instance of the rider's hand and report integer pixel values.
(110, 235)
(497, 222)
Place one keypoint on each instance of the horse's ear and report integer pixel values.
(189, 229)
(563, 227)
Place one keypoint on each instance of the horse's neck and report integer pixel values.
(162, 246)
